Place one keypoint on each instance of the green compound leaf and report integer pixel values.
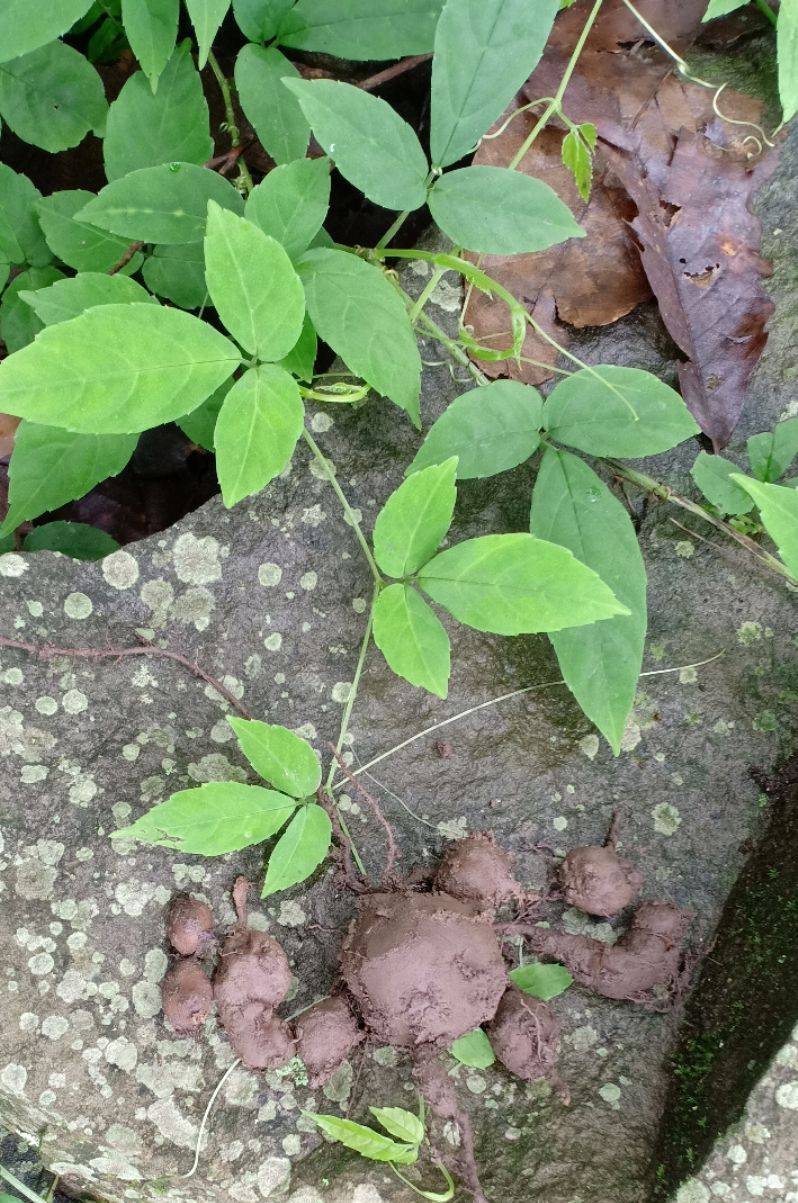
(178, 274)
(260, 76)
(74, 539)
(410, 526)
(256, 431)
(364, 1141)
(52, 97)
(361, 29)
(300, 849)
(200, 424)
(19, 325)
(771, 454)
(496, 211)
(117, 369)
(541, 981)
(25, 26)
(360, 314)
(490, 429)
(516, 584)
(253, 285)
(412, 639)
(168, 203)
(259, 20)
(787, 57)
(778, 508)
(291, 203)
(21, 238)
(617, 411)
(279, 755)
(77, 243)
(50, 467)
(370, 144)
(601, 664)
(206, 17)
(146, 130)
(712, 474)
(216, 818)
(68, 298)
(484, 51)
(474, 1049)
(577, 156)
(151, 28)
(301, 359)
(399, 1123)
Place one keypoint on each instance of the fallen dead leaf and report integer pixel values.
(677, 21)
(8, 426)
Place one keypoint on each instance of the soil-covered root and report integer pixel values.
(252, 969)
(187, 996)
(440, 1091)
(423, 969)
(476, 869)
(189, 926)
(648, 956)
(598, 881)
(525, 1036)
(257, 1035)
(326, 1034)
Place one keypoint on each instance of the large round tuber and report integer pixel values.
(525, 1036)
(252, 969)
(475, 869)
(187, 996)
(189, 925)
(326, 1034)
(598, 881)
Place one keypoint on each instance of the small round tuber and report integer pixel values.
(525, 1036)
(326, 1034)
(476, 869)
(252, 969)
(596, 880)
(187, 996)
(258, 1036)
(189, 925)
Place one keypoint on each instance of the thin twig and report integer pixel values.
(391, 851)
(388, 73)
(132, 250)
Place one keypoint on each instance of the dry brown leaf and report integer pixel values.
(8, 426)
(677, 21)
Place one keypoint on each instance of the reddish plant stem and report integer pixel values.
(391, 851)
(371, 82)
(133, 249)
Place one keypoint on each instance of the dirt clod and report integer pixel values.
(252, 969)
(187, 996)
(525, 1036)
(598, 881)
(189, 925)
(477, 869)
(258, 1036)
(326, 1034)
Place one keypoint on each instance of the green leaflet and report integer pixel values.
(67, 298)
(259, 20)
(399, 1123)
(410, 526)
(253, 285)
(712, 474)
(778, 508)
(77, 243)
(601, 664)
(178, 273)
(151, 28)
(216, 818)
(256, 431)
(74, 539)
(577, 156)
(364, 1141)
(21, 238)
(490, 429)
(771, 454)
(787, 56)
(370, 144)
(412, 639)
(484, 51)
(719, 8)
(206, 17)
(301, 359)
(25, 26)
(200, 424)
(516, 584)
(617, 411)
(116, 369)
(279, 756)
(291, 203)
(359, 313)
(19, 325)
(52, 97)
(500, 212)
(541, 981)
(474, 1049)
(168, 203)
(300, 849)
(361, 29)
(145, 130)
(260, 75)
(50, 467)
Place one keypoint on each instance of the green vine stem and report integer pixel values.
(765, 8)
(354, 522)
(244, 177)
(353, 688)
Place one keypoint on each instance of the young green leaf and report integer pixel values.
(168, 203)
(52, 97)
(260, 77)
(117, 369)
(77, 243)
(370, 144)
(151, 28)
(601, 664)
(577, 156)
(778, 508)
(712, 474)
(259, 20)
(516, 584)
(50, 467)
(490, 429)
(19, 325)
(178, 274)
(301, 359)
(496, 211)
(68, 298)
(212, 820)
(291, 203)
(145, 130)
(253, 285)
(541, 981)
(256, 431)
(25, 26)
(364, 1141)
(787, 57)
(279, 755)
(200, 424)
(74, 539)
(360, 314)
(720, 8)
(617, 411)
(474, 1049)
(300, 849)
(771, 454)
(412, 639)
(361, 29)
(399, 1123)
(21, 238)
(410, 526)
(484, 51)
(206, 17)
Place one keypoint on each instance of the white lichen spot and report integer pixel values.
(35, 609)
(454, 829)
(476, 1083)
(12, 565)
(749, 632)
(155, 964)
(274, 642)
(31, 773)
(197, 560)
(684, 549)
(631, 736)
(692, 1192)
(83, 791)
(366, 1193)
(216, 767)
(78, 606)
(611, 1094)
(131, 751)
(292, 1144)
(40, 964)
(55, 1026)
(120, 570)
(270, 575)
(172, 1124)
(589, 746)
(688, 675)
(313, 516)
(582, 1039)
(320, 423)
(666, 818)
(74, 702)
(340, 692)
(787, 1095)
(274, 1174)
(359, 605)
(194, 607)
(12, 676)
(309, 580)
(222, 732)
(559, 823)
(122, 1053)
(14, 1076)
(737, 1155)
(46, 705)
(146, 999)
(291, 914)
(386, 1056)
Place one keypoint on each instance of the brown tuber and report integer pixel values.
(189, 926)
(596, 880)
(326, 1034)
(525, 1036)
(258, 1036)
(187, 996)
(252, 969)
(475, 869)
